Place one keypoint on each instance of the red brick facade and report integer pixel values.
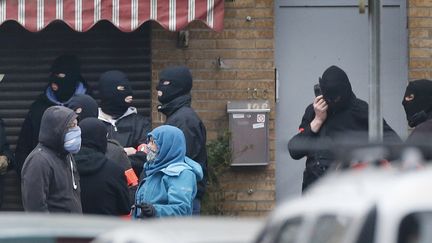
(246, 47)
(420, 39)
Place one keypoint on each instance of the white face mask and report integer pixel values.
(151, 154)
(72, 140)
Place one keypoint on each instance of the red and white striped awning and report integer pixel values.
(127, 15)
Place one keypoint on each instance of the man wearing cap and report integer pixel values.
(335, 117)
(65, 81)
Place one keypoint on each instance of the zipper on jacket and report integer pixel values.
(75, 186)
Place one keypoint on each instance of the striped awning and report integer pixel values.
(127, 15)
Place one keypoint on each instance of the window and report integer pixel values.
(330, 229)
(415, 228)
(289, 232)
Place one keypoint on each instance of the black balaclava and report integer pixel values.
(65, 73)
(336, 88)
(180, 83)
(417, 101)
(84, 106)
(94, 134)
(114, 87)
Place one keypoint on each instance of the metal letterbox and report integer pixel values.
(248, 124)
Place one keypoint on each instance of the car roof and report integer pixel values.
(188, 230)
(356, 191)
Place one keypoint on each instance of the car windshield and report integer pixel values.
(290, 231)
(330, 229)
(415, 228)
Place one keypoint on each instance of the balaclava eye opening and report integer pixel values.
(114, 87)
(84, 106)
(417, 101)
(336, 88)
(180, 83)
(66, 75)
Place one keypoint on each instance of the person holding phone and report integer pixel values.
(336, 115)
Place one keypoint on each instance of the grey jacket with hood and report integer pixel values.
(50, 180)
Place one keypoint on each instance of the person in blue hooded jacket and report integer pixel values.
(170, 183)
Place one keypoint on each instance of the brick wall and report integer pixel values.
(420, 39)
(247, 50)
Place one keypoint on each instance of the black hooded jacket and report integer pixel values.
(180, 114)
(50, 180)
(347, 121)
(103, 183)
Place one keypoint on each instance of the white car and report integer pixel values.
(25, 227)
(359, 206)
(187, 230)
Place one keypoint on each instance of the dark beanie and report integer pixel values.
(84, 106)
(335, 85)
(94, 134)
(335, 80)
(66, 64)
(180, 79)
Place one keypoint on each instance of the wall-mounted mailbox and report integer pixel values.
(248, 124)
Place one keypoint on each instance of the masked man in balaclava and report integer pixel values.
(86, 107)
(175, 84)
(335, 116)
(65, 81)
(123, 122)
(417, 103)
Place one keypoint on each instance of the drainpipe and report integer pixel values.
(375, 113)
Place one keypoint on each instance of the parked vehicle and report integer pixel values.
(371, 205)
(55, 228)
(187, 230)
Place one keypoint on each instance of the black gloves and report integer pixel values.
(147, 210)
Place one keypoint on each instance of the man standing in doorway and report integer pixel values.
(336, 116)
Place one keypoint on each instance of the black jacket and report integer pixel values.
(116, 153)
(50, 180)
(180, 114)
(28, 137)
(346, 125)
(5, 150)
(421, 137)
(130, 130)
(4, 146)
(103, 184)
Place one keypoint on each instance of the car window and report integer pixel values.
(415, 228)
(330, 229)
(289, 232)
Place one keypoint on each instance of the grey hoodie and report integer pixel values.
(50, 180)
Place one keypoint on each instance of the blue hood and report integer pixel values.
(171, 157)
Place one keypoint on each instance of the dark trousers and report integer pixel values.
(312, 174)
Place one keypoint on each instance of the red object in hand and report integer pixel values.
(142, 148)
(132, 179)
